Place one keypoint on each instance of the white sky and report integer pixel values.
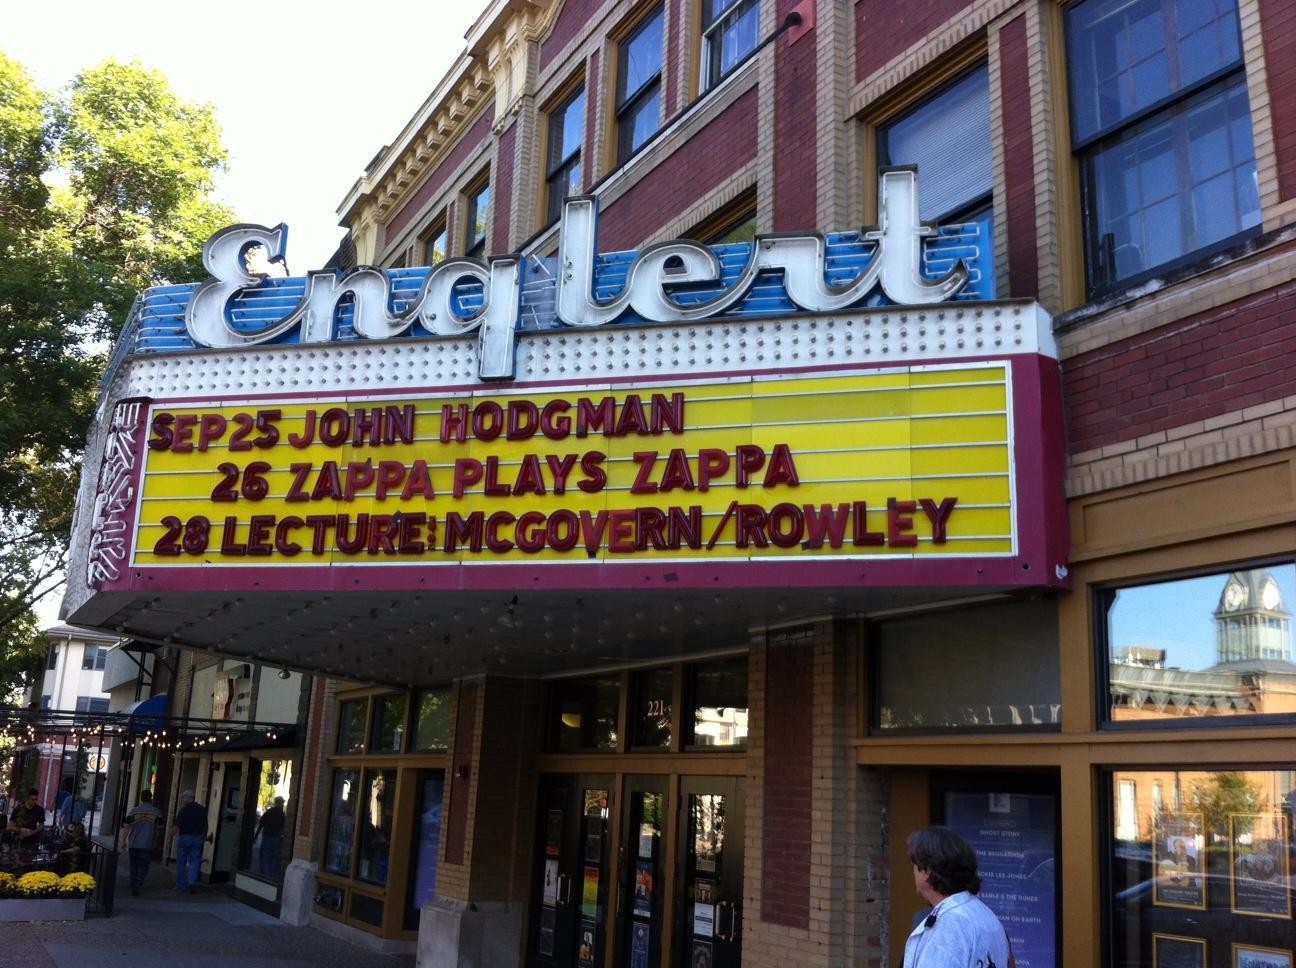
(306, 93)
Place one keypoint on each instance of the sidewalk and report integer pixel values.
(164, 929)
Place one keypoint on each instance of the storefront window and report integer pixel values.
(342, 819)
(432, 720)
(377, 810)
(1206, 880)
(268, 806)
(719, 702)
(992, 667)
(351, 726)
(583, 714)
(650, 717)
(427, 844)
(389, 724)
(1197, 649)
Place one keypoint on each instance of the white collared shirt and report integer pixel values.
(963, 933)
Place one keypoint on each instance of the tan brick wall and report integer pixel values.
(848, 836)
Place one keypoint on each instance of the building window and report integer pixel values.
(1207, 882)
(89, 704)
(94, 657)
(51, 661)
(718, 701)
(342, 822)
(435, 243)
(265, 819)
(1161, 125)
(735, 222)
(46, 701)
(432, 720)
(563, 169)
(948, 137)
(351, 726)
(945, 671)
(378, 807)
(477, 221)
(1201, 649)
(638, 92)
(730, 34)
(583, 714)
(388, 723)
(650, 717)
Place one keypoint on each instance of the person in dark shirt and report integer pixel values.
(191, 831)
(270, 827)
(28, 818)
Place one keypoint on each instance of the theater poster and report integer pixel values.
(1176, 855)
(1260, 864)
(1015, 837)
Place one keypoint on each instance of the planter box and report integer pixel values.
(42, 909)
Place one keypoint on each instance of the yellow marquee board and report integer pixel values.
(905, 462)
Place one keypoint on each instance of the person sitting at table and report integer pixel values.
(28, 820)
(76, 855)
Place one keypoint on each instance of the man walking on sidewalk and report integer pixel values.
(141, 825)
(191, 831)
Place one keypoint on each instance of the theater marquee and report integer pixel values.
(897, 462)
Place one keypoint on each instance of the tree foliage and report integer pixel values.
(104, 191)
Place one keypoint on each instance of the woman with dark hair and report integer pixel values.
(960, 931)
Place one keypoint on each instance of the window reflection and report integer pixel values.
(1209, 647)
(720, 703)
(375, 835)
(341, 831)
(351, 726)
(1207, 858)
(583, 714)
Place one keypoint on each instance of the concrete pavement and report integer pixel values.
(164, 929)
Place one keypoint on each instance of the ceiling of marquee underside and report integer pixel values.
(421, 639)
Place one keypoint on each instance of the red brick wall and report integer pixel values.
(795, 155)
(694, 169)
(469, 143)
(785, 850)
(572, 19)
(885, 28)
(502, 190)
(1019, 160)
(1278, 22)
(1221, 360)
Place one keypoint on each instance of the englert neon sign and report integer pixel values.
(655, 277)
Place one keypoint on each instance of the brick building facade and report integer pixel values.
(738, 790)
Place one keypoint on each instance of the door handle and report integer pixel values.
(731, 935)
(564, 888)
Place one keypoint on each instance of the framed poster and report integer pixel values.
(553, 833)
(590, 893)
(593, 846)
(1250, 956)
(1260, 865)
(1174, 951)
(550, 895)
(701, 955)
(643, 893)
(585, 950)
(704, 920)
(639, 943)
(548, 918)
(1176, 857)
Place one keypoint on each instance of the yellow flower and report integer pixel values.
(76, 885)
(38, 884)
(6, 884)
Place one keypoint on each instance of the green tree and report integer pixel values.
(104, 191)
(1220, 797)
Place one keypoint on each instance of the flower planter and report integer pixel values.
(42, 909)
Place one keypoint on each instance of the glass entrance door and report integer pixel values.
(643, 849)
(570, 899)
(709, 909)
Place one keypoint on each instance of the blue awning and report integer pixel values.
(147, 714)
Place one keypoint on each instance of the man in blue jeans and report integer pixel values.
(140, 828)
(191, 831)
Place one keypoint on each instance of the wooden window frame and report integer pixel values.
(475, 247)
(623, 103)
